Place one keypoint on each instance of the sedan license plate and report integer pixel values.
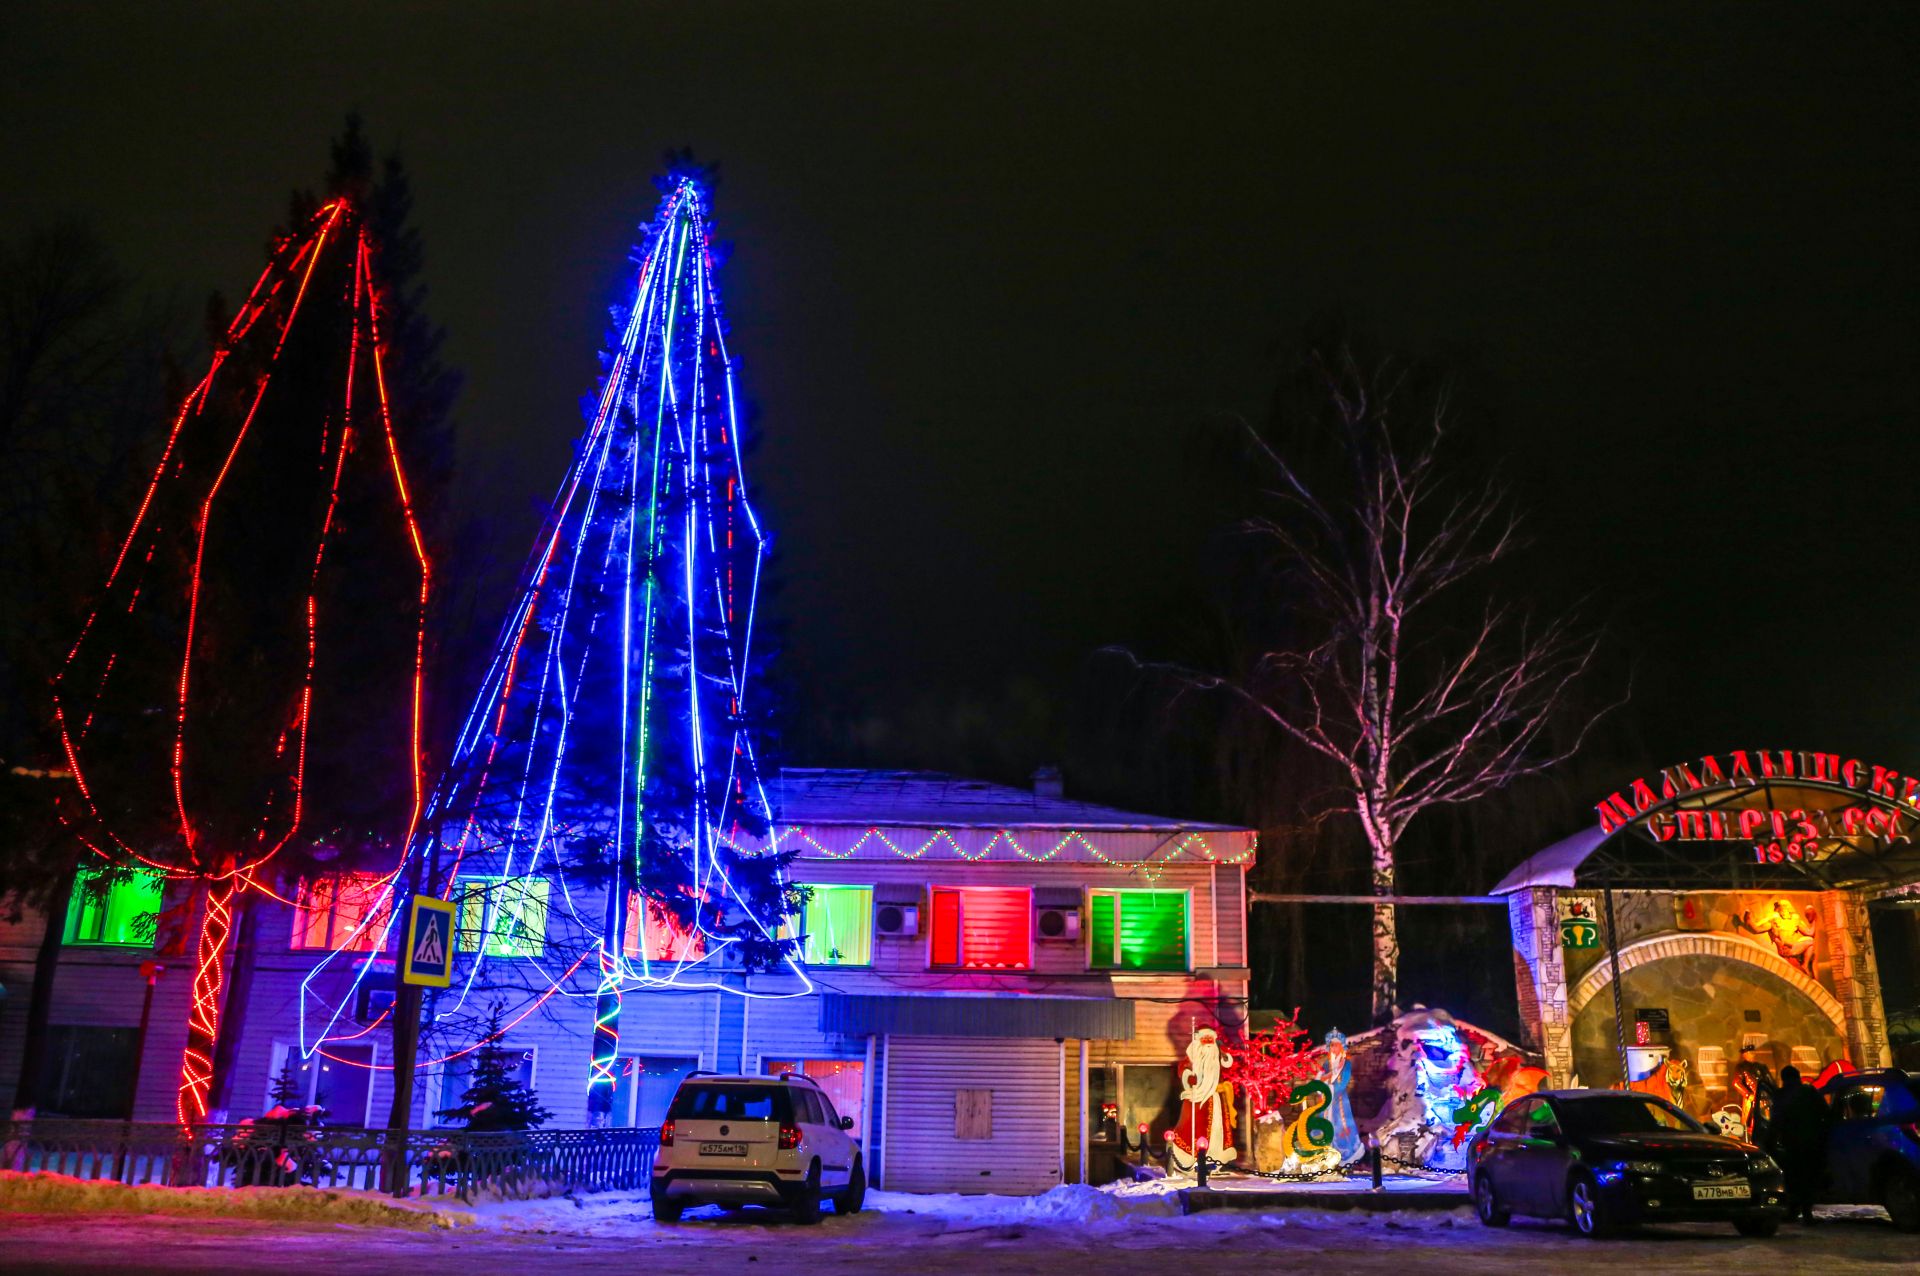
(740, 1149)
(1722, 1192)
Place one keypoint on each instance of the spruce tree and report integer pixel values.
(495, 1098)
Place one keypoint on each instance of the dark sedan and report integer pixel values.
(1603, 1159)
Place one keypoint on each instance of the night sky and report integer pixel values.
(995, 267)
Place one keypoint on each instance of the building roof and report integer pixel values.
(1556, 865)
(933, 799)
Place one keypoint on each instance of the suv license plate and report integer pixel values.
(740, 1149)
(1722, 1192)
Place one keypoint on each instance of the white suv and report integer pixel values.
(756, 1141)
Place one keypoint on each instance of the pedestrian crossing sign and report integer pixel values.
(428, 956)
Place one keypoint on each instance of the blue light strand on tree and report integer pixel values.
(612, 740)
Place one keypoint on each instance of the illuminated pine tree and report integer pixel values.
(615, 740)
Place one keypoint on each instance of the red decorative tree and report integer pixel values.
(246, 694)
(1275, 1060)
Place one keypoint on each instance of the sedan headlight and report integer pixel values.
(1642, 1167)
(1761, 1163)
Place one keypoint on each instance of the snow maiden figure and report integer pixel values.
(1337, 1071)
(1206, 1106)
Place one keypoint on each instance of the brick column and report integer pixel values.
(1540, 979)
(1855, 975)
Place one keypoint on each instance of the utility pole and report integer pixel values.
(151, 972)
(406, 1044)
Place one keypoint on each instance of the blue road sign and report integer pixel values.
(428, 956)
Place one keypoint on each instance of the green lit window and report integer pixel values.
(1138, 930)
(839, 926)
(510, 911)
(118, 910)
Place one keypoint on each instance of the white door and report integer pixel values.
(973, 1114)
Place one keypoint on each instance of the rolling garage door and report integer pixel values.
(972, 1114)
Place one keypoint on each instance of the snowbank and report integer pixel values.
(1068, 1203)
(58, 1194)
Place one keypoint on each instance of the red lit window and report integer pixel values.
(661, 935)
(346, 912)
(982, 928)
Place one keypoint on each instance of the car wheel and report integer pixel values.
(1756, 1226)
(666, 1211)
(1588, 1209)
(851, 1197)
(1487, 1206)
(806, 1205)
(1901, 1196)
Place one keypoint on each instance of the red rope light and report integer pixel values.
(223, 873)
(203, 1015)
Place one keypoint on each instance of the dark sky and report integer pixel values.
(993, 264)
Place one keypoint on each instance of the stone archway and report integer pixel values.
(1709, 944)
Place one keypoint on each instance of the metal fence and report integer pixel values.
(273, 1154)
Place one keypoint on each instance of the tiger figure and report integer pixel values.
(1669, 1082)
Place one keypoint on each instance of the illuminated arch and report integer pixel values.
(1733, 947)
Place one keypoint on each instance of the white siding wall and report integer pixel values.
(923, 1076)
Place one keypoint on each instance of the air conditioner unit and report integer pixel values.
(897, 921)
(1058, 923)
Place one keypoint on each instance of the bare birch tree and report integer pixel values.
(1416, 695)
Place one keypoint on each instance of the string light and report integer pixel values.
(182, 499)
(623, 669)
(1194, 845)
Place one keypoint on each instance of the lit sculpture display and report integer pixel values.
(1206, 1105)
(1792, 931)
(1437, 1098)
(1336, 1071)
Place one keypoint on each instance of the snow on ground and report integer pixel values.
(50, 1194)
(1128, 1230)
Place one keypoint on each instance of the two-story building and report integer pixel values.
(990, 980)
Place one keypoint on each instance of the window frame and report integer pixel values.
(285, 1052)
(643, 913)
(437, 1077)
(1118, 893)
(796, 1064)
(933, 921)
(488, 935)
(805, 936)
(630, 1119)
(76, 905)
(371, 924)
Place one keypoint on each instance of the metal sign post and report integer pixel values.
(1619, 1014)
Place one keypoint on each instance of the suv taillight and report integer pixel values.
(789, 1137)
(666, 1134)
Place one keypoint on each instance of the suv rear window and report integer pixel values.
(698, 1102)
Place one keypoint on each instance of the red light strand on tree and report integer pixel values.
(218, 857)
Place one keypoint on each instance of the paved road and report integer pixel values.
(901, 1241)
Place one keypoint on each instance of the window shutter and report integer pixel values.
(1153, 930)
(996, 929)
